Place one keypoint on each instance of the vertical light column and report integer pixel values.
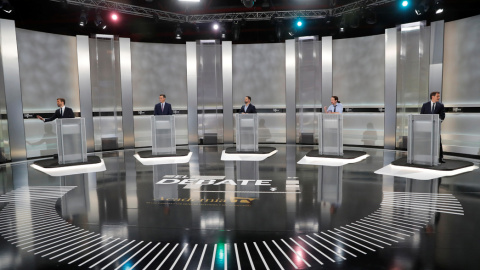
(435, 78)
(227, 74)
(10, 81)
(327, 70)
(85, 88)
(290, 85)
(192, 92)
(127, 92)
(391, 41)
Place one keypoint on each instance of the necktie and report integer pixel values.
(335, 108)
(61, 112)
(433, 110)
(162, 107)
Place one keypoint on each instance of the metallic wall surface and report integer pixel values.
(290, 86)
(10, 82)
(227, 73)
(192, 92)
(85, 88)
(391, 47)
(435, 79)
(127, 98)
(327, 70)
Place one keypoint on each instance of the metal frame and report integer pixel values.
(225, 17)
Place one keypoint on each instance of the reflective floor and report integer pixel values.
(211, 214)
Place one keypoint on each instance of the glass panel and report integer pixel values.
(71, 140)
(330, 134)
(106, 93)
(424, 143)
(247, 132)
(4, 139)
(163, 134)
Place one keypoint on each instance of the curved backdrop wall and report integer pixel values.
(49, 67)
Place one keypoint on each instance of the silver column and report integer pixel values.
(10, 81)
(227, 74)
(391, 41)
(192, 92)
(435, 78)
(327, 70)
(290, 85)
(127, 98)
(85, 88)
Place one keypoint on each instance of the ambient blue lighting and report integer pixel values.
(299, 23)
(405, 3)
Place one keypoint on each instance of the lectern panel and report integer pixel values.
(423, 139)
(330, 135)
(247, 132)
(71, 140)
(163, 134)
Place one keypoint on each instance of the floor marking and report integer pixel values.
(133, 256)
(335, 245)
(284, 254)
(44, 234)
(381, 227)
(454, 204)
(406, 212)
(296, 253)
(93, 265)
(168, 255)
(371, 233)
(351, 240)
(242, 191)
(190, 257)
(76, 243)
(410, 223)
(311, 255)
(249, 257)
(384, 224)
(316, 249)
(237, 257)
(311, 238)
(430, 205)
(178, 257)
(201, 257)
(158, 254)
(273, 255)
(361, 238)
(93, 251)
(114, 260)
(213, 258)
(61, 260)
(75, 233)
(412, 230)
(401, 216)
(425, 209)
(261, 256)
(28, 228)
(361, 226)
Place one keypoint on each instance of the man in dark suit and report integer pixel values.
(248, 107)
(63, 112)
(163, 108)
(435, 107)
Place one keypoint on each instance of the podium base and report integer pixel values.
(52, 168)
(147, 158)
(231, 154)
(349, 156)
(401, 168)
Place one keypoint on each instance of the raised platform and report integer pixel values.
(231, 154)
(147, 158)
(401, 168)
(51, 166)
(349, 156)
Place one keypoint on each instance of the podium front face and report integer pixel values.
(330, 134)
(423, 139)
(247, 133)
(71, 140)
(163, 134)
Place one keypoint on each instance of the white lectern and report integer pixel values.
(423, 139)
(71, 140)
(163, 135)
(330, 134)
(247, 132)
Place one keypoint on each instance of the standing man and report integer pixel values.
(163, 108)
(336, 106)
(435, 107)
(248, 107)
(63, 112)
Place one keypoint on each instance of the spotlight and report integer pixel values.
(197, 27)
(404, 3)
(342, 24)
(223, 31)
(83, 18)
(248, 3)
(114, 17)
(299, 23)
(292, 31)
(438, 6)
(178, 32)
(6, 6)
(422, 8)
(279, 30)
(215, 26)
(236, 28)
(99, 21)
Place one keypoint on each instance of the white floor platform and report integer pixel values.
(246, 157)
(419, 173)
(71, 170)
(164, 160)
(334, 162)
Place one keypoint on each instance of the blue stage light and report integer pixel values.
(299, 23)
(405, 3)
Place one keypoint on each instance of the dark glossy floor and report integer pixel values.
(211, 214)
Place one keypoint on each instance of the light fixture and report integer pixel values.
(99, 21)
(114, 17)
(178, 32)
(438, 6)
(194, 1)
(248, 3)
(236, 28)
(354, 20)
(215, 26)
(404, 3)
(6, 6)
(342, 24)
(83, 18)
(223, 31)
(299, 23)
(279, 29)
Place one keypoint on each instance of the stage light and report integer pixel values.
(299, 23)
(99, 21)
(342, 24)
(178, 32)
(6, 6)
(248, 3)
(404, 3)
(279, 29)
(438, 6)
(83, 18)
(114, 17)
(215, 26)
(236, 29)
(223, 30)
(422, 7)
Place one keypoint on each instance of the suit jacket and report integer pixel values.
(250, 109)
(68, 113)
(167, 109)
(439, 109)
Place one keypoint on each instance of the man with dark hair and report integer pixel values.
(248, 107)
(63, 112)
(163, 108)
(435, 107)
(336, 106)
